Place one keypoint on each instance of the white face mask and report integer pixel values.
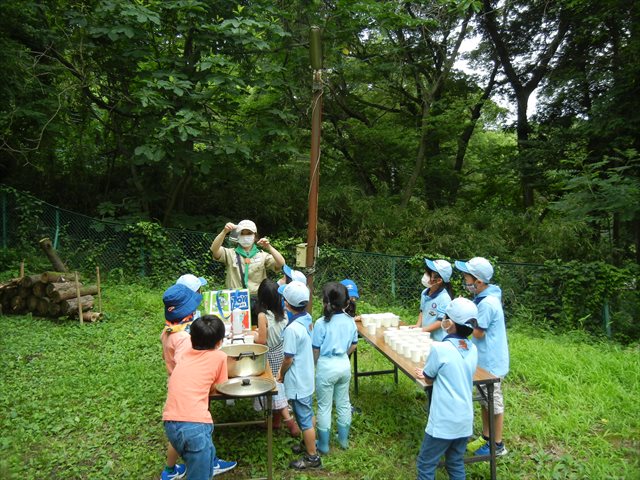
(471, 287)
(246, 240)
(426, 280)
(448, 322)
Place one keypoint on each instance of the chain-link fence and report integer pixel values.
(147, 250)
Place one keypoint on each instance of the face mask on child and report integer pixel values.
(426, 280)
(471, 287)
(445, 324)
(246, 240)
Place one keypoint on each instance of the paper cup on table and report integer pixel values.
(371, 328)
(248, 338)
(404, 328)
(394, 321)
(416, 355)
(386, 321)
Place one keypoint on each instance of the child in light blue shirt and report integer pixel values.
(450, 367)
(490, 337)
(297, 369)
(435, 297)
(334, 338)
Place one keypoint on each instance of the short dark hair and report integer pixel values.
(463, 330)
(206, 332)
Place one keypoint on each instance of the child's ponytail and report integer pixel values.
(335, 297)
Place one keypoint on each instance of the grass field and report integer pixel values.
(86, 402)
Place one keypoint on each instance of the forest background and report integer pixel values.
(188, 114)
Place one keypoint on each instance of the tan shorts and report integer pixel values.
(498, 398)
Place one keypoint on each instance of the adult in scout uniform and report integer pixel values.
(246, 265)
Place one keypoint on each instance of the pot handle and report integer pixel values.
(252, 355)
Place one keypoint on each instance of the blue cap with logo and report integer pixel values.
(352, 288)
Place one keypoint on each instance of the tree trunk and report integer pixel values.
(39, 289)
(54, 309)
(67, 307)
(43, 306)
(65, 294)
(51, 277)
(52, 255)
(29, 280)
(32, 303)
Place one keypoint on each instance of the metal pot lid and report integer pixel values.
(246, 386)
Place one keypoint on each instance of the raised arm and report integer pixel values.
(277, 256)
(217, 242)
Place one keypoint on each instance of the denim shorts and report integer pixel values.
(194, 444)
(302, 407)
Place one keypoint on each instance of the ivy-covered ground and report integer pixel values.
(85, 403)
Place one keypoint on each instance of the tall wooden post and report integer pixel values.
(314, 167)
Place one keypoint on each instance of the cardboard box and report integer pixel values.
(223, 302)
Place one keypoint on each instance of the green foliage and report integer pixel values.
(572, 295)
(86, 402)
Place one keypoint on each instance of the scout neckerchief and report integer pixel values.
(178, 327)
(241, 252)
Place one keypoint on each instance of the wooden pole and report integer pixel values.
(99, 293)
(79, 302)
(314, 167)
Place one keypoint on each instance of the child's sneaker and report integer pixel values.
(175, 473)
(307, 461)
(476, 444)
(485, 450)
(223, 466)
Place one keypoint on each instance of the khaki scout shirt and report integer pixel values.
(257, 269)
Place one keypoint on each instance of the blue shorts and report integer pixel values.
(302, 408)
(194, 444)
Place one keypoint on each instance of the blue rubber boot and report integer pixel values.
(323, 441)
(343, 435)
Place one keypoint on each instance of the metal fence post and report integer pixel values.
(57, 233)
(606, 316)
(4, 219)
(393, 278)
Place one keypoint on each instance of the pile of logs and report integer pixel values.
(52, 294)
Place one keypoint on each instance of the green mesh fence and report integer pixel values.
(145, 249)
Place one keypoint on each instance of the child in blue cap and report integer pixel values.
(354, 296)
(490, 337)
(435, 297)
(180, 302)
(450, 367)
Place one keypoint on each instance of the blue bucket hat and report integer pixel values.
(352, 288)
(180, 301)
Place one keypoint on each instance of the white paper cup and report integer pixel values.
(416, 355)
(386, 322)
(394, 321)
(249, 338)
(371, 328)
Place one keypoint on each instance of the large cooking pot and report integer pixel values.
(246, 359)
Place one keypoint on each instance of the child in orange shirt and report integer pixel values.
(180, 303)
(187, 419)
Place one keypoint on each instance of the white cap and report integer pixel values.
(461, 310)
(295, 293)
(441, 267)
(247, 225)
(191, 281)
(296, 275)
(478, 267)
